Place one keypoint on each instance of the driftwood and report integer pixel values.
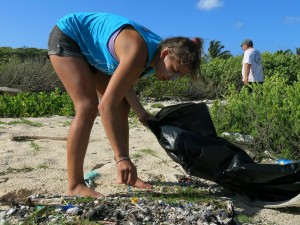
(11, 91)
(32, 201)
(31, 137)
(50, 201)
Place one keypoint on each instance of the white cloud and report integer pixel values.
(238, 25)
(209, 4)
(292, 19)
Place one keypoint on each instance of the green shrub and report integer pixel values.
(287, 65)
(36, 104)
(30, 70)
(151, 87)
(270, 114)
(218, 74)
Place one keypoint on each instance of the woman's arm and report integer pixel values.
(132, 52)
(136, 105)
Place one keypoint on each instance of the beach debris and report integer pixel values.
(239, 138)
(89, 178)
(10, 91)
(116, 209)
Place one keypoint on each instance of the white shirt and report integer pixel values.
(253, 57)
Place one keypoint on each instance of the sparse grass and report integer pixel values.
(93, 140)
(157, 105)
(133, 119)
(178, 194)
(131, 114)
(23, 121)
(15, 170)
(136, 155)
(35, 147)
(43, 167)
(133, 122)
(245, 219)
(148, 151)
(140, 153)
(67, 123)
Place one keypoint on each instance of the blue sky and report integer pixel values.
(271, 24)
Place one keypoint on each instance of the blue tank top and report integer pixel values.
(92, 32)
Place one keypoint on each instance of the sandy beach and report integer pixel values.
(33, 160)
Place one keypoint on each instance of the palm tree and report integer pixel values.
(215, 50)
(298, 51)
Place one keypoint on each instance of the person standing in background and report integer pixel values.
(252, 70)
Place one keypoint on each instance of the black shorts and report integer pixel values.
(62, 45)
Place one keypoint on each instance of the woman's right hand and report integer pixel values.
(127, 173)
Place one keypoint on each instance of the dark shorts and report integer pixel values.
(250, 84)
(62, 45)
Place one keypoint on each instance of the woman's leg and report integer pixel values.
(101, 82)
(77, 78)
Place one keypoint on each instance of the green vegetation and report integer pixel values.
(186, 194)
(30, 70)
(23, 121)
(157, 105)
(140, 153)
(148, 151)
(151, 87)
(35, 147)
(245, 219)
(270, 114)
(136, 155)
(39, 215)
(15, 170)
(36, 104)
(67, 123)
(43, 167)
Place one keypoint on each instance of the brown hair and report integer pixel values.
(186, 51)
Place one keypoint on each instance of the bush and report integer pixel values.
(151, 87)
(36, 104)
(287, 65)
(270, 114)
(32, 75)
(30, 70)
(219, 74)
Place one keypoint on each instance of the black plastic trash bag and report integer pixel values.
(187, 134)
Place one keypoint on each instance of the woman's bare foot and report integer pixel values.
(141, 184)
(84, 191)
